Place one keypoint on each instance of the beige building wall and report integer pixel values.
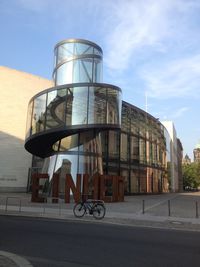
(16, 89)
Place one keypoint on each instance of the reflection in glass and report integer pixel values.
(125, 118)
(90, 145)
(97, 105)
(65, 51)
(142, 150)
(79, 105)
(113, 144)
(113, 106)
(38, 119)
(55, 111)
(28, 121)
(64, 73)
(134, 148)
(69, 142)
(143, 180)
(66, 164)
(124, 147)
(134, 177)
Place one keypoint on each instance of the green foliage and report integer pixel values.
(191, 175)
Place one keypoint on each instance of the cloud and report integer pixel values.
(145, 26)
(135, 24)
(177, 78)
(179, 113)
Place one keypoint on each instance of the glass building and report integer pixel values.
(81, 125)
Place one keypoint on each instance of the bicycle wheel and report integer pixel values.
(99, 211)
(79, 210)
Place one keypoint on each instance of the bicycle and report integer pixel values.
(93, 207)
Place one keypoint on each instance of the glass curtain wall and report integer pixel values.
(140, 157)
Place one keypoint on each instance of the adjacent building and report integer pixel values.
(175, 157)
(16, 89)
(186, 160)
(196, 153)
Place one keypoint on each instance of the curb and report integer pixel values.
(19, 261)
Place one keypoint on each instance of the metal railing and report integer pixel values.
(44, 207)
(169, 209)
(174, 207)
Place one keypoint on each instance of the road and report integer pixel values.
(66, 243)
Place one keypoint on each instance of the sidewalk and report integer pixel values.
(174, 210)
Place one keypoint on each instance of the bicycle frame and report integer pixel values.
(93, 207)
(90, 204)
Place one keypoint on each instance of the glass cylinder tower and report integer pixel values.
(65, 122)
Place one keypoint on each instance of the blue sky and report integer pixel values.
(150, 48)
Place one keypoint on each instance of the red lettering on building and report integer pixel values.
(109, 188)
(36, 186)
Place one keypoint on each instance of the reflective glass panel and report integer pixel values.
(87, 67)
(143, 180)
(113, 144)
(66, 164)
(70, 142)
(65, 51)
(97, 71)
(83, 49)
(69, 104)
(82, 70)
(134, 177)
(124, 147)
(55, 112)
(134, 148)
(90, 145)
(125, 174)
(39, 114)
(90, 164)
(113, 106)
(64, 73)
(142, 123)
(79, 105)
(97, 105)
(125, 118)
(134, 122)
(28, 121)
(55, 146)
(85, 139)
(142, 151)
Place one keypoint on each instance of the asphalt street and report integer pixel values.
(46, 242)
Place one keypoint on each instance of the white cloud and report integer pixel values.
(149, 25)
(135, 24)
(178, 78)
(179, 113)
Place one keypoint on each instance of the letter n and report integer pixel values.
(76, 190)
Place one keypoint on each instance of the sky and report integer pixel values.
(151, 49)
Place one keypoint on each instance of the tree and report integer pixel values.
(191, 176)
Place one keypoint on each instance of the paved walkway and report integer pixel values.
(180, 211)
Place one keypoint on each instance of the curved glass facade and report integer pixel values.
(84, 127)
(83, 105)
